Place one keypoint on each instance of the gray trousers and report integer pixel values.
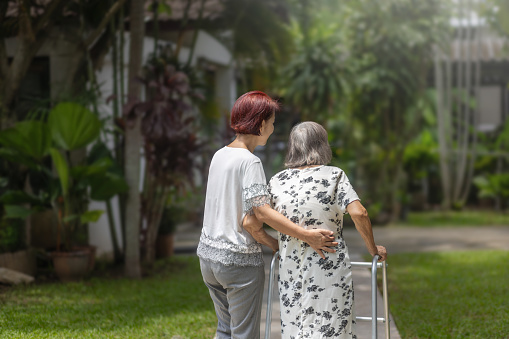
(237, 293)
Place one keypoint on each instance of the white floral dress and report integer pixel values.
(316, 295)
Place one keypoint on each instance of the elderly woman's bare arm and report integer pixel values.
(255, 227)
(319, 239)
(363, 224)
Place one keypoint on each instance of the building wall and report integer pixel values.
(490, 108)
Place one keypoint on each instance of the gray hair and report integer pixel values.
(308, 145)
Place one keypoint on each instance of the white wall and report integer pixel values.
(490, 108)
(59, 50)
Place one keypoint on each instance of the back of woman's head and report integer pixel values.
(308, 145)
(250, 110)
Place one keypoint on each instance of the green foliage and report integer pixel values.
(171, 302)
(493, 185)
(70, 127)
(261, 41)
(30, 138)
(16, 212)
(455, 219)
(387, 52)
(169, 220)
(502, 140)
(490, 184)
(11, 235)
(62, 169)
(103, 169)
(390, 44)
(361, 69)
(311, 82)
(73, 126)
(420, 154)
(450, 295)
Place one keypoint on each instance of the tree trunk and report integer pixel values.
(119, 146)
(442, 135)
(133, 143)
(475, 113)
(458, 139)
(464, 119)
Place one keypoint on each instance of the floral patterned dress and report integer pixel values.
(316, 295)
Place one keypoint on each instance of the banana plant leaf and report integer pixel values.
(28, 138)
(16, 157)
(20, 197)
(105, 187)
(16, 212)
(91, 216)
(73, 126)
(85, 218)
(106, 184)
(62, 169)
(98, 167)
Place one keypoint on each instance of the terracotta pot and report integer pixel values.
(71, 266)
(91, 251)
(164, 245)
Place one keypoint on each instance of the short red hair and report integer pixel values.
(250, 110)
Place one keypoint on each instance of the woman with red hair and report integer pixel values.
(230, 253)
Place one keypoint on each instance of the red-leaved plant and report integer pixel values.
(170, 137)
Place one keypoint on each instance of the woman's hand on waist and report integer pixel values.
(321, 240)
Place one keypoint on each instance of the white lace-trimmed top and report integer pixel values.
(236, 184)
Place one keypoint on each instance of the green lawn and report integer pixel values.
(450, 295)
(455, 218)
(432, 295)
(172, 302)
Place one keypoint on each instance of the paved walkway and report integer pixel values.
(396, 240)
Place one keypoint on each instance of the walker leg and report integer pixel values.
(374, 324)
(386, 301)
(268, 318)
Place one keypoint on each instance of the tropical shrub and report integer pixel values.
(67, 184)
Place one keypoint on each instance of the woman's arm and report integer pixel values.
(255, 228)
(363, 225)
(319, 239)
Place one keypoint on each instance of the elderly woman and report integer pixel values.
(316, 294)
(230, 252)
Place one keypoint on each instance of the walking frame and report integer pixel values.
(374, 319)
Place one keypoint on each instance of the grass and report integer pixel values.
(173, 302)
(450, 295)
(455, 218)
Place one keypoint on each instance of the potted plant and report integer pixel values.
(166, 234)
(69, 183)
